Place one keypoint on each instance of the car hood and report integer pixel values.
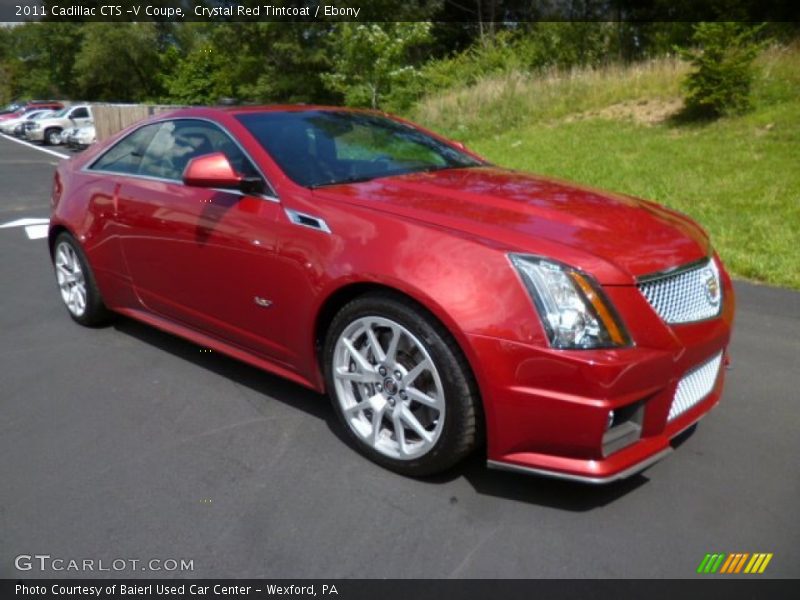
(614, 237)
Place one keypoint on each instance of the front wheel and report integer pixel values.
(52, 137)
(400, 385)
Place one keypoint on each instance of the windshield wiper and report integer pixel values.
(436, 168)
(354, 179)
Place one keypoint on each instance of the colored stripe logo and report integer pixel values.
(738, 562)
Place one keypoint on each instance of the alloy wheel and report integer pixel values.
(71, 280)
(388, 387)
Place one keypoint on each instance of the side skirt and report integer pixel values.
(217, 345)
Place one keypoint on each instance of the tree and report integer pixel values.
(281, 62)
(723, 68)
(371, 58)
(119, 61)
(39, 59)
(201, 77)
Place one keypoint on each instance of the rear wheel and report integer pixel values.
(400, 385)
(77, 284)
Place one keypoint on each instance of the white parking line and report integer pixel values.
(35, 147)
(37, 232)
(35, 229)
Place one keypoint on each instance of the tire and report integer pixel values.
(77, 284)
(419, 389)
(52, 137)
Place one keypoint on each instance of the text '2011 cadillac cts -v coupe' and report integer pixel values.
(442, 302)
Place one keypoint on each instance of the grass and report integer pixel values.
(614, 128)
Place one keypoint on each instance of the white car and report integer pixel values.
(49, 130)
(21, 130)
(80, 137)
(9, 125)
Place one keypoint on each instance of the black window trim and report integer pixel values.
(271, 195)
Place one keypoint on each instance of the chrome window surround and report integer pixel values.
(271, 195)
(695, 386)
(679, 295)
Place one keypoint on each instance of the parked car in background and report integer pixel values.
(31, 106)
(438, 299)
(9, 125)
(49, 130)
(79, 138)
(9, 108)
(21, 129)
(68, 137)
(51, 104)
(12, 115)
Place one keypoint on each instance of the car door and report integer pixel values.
(80, 116)
(202, 257)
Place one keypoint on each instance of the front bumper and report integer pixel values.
(547, 410)
(34, 135)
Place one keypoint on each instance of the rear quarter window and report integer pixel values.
(126, 155)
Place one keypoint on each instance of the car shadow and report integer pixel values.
(543, 491)
(532, 489)
(267, 385)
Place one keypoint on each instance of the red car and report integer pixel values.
(30, 106)
(442, 302)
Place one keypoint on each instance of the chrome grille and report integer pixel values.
(695, 385)
(689, 294)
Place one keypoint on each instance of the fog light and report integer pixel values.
(623, 427)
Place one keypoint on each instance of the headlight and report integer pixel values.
(573, 308)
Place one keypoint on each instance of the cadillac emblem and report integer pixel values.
(712, 288)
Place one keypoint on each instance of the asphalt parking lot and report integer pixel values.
(124, 442)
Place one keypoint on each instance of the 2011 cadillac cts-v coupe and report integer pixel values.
(442, 302)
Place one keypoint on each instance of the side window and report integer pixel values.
(158, 160)
(126, 155)
(80, 113)
(177, 142)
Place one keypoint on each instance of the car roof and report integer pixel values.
(247, 109)
(286, 108)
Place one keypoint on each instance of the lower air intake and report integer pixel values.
(695, 386)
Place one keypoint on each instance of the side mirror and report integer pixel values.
(215, 171)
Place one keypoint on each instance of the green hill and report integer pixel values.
(618, 128)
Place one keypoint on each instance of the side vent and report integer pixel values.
(305, 220)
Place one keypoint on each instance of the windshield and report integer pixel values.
(317, 147)
(60, 113)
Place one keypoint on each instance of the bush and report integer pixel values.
(722, 58)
